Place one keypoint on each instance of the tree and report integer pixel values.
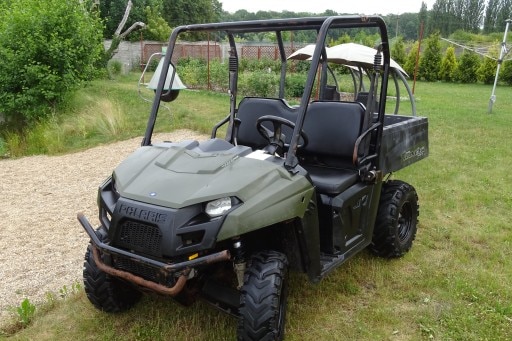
(491, 16)
(504, 13)
(473, 14)
(423, 15)
(430, 61)
(118, 35)
(48, 48)
(113, 11)
(448, 65)
(157, 28)
(182, 12)
(467, 68)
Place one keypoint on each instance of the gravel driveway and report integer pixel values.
(41, 242)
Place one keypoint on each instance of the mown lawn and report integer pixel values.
(455, 284)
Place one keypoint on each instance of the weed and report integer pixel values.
(26, 312)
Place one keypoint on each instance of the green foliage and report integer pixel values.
(410, 63)
(3, 148)
(259, 84)
(47, 48)
(430, 61)
(219, 75)
(398, 51)
(114, 68)
(506, 72)
(25, 312)
(448, 65)
(156, 28)
(184, 12)
(466, 72)
(486, 72)
(193, 72)
(295, 85)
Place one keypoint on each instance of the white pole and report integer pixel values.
(500, 60)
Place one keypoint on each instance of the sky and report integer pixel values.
(367, 7)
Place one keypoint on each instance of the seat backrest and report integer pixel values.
(332, 128)
(252, 108)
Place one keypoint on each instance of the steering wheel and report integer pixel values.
(275, 136)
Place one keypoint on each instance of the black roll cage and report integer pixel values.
(321, 25)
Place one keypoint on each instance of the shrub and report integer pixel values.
(430, 61)
(114, 68)
(448, 65)
(506, 72)
(487, 70)
(258, 84)
(398, 51)
(410, 62)
(467, 69)
(295, 85)
(47, 48)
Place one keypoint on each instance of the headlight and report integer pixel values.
(218, 207)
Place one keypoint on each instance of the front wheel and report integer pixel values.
(397, 219)
(263, 297)
(106, 292)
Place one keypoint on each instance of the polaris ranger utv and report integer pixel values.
(300, 188)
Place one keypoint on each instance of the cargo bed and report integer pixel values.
(404, 141)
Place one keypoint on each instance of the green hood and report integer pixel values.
(173, 176)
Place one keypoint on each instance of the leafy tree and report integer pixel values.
(156, 28)
(504, 13)
(423, 15)
(47, 48)
(442, 17)
(467, 68)
(472, 17)
(183, 12)
(448, 65)
(430, 61)
(491, 16)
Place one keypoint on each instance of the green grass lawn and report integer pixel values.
(455, 283)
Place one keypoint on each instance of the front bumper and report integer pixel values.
(179, 270)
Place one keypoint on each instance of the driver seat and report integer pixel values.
(252, 108)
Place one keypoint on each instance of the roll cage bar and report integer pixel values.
(321, 25)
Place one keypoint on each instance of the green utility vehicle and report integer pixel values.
(299, 187)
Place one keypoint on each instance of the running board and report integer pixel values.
(330, 262)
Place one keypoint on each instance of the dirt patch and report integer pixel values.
(41, 242)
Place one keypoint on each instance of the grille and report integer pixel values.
(141, 237)
(137, 268)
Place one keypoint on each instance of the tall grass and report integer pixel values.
(112, 110)
(455, 283)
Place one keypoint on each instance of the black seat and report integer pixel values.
(252, 108)
(332, 128)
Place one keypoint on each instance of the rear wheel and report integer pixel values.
(397, 219)
(263, 297)
(105, 292)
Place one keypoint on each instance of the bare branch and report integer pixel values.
(134, 27)
(125, 18)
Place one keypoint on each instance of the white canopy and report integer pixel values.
(350, 54)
